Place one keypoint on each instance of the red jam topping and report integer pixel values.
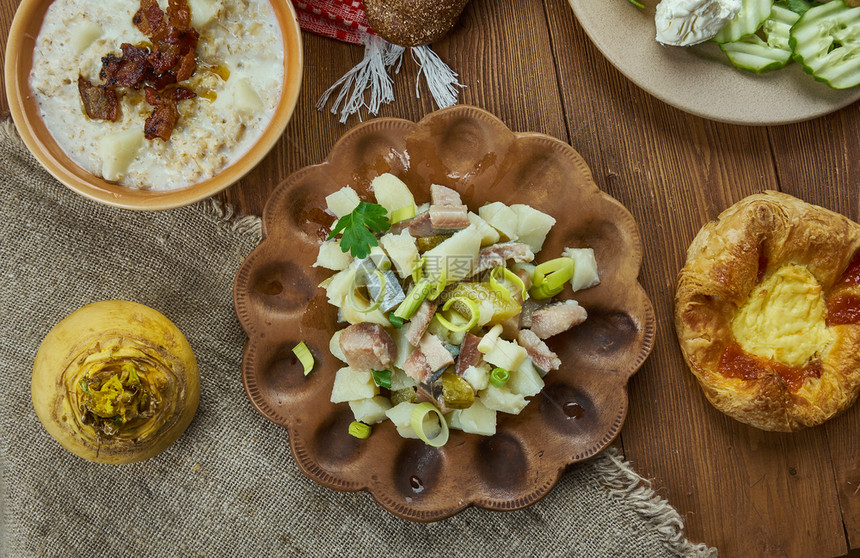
(737, 363)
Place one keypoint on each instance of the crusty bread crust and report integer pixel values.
(725, 261)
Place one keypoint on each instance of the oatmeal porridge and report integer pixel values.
(237, 82)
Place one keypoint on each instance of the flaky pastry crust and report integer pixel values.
(725, 262)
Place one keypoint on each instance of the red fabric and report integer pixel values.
(343, 20)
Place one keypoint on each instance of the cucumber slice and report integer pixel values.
(826, 42)
(753, 54)
(753, 13)
(799, 7)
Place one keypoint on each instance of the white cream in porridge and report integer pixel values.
(238, 82)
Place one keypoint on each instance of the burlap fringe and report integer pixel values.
(623, 482)
(227, 219)
(224, 215)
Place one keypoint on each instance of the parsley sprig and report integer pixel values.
(357, 229)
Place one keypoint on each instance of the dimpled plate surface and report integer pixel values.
(583, 405)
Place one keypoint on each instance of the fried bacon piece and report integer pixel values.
(163, 119)
(100, 101)
(172, 59)
(128, 70)
(178, 13)
(149, 18)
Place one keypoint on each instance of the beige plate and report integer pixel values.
(699, 79)
(584, 403)
(25, 113)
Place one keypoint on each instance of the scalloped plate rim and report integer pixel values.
(609, 435)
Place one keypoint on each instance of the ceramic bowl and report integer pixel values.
(583, 405)
(25, 112)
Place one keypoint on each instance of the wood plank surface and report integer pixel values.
(744, 491)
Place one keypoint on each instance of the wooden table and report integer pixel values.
(745, 491)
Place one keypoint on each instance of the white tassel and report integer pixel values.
(380, 58)
(371, 73)
(441, 79)
(394, 57)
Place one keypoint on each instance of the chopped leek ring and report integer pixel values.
(403, 213)
(501, 273)
(473, 308)
(413, 300)
(305, 357)
(418, 270)
(382, 378)
(499, 377)
(422, 423)
(439, 286)
(353, 300)
(550, 277)
(359, 430)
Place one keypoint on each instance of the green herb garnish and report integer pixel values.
(382, 378)
(358, 228)
(637, 4)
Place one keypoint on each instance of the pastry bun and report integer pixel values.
(767, 312)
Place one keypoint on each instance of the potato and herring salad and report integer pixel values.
(447, 310)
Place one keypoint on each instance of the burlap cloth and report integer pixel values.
(229, 486)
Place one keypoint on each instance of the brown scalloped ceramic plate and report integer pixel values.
(583, 405)
(699, 80)
(25, 112)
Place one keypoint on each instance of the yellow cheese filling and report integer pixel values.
(783, 320)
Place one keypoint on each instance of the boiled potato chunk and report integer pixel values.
(525, 380)
(500, 217)
(454, 257)
(532, 226)
(489, 235)
(391, 193)
(245, 97)
(334, 346)
(117, 151)
(477, 376)
(83, 35)
(477, 419)
(351, 384)
(330, 256)
(342, 202)
(584, 268)
(370, 411)
(505, 354)
(401, 416)
(402, 251)
(400, 380)
(202, 12)
(502, 399)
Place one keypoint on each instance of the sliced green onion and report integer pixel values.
(501, 273)
(353, 300)
(396, 321)
(413, 300)
(638, 4)
(403, 213)
(550, 277)
(439, 286)
(359, 430)
(423, 424)
(382, 378)
(499, 377)
(305, 357)
(473, 320)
